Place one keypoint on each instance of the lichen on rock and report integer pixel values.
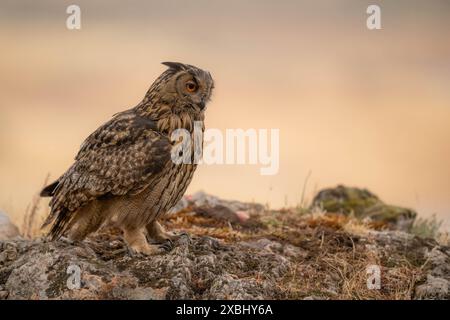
(363, 204)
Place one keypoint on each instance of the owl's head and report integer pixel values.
(183, 86)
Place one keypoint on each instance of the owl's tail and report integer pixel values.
(60, 223)
(49, 190)
(60, 218)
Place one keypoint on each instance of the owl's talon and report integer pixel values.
(149, 250)
(67, 241)
(155, 231)
(137, 244)
(133, 253)
(184, 236)
(167, 246)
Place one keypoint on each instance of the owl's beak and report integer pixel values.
(202, 104)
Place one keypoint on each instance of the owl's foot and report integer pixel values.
(156, 232)
(148, 249)
(138, 245)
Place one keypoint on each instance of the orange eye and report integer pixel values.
(191, 86)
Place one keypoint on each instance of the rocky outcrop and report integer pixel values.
(201, 267)
(363, 204)
(269, 255)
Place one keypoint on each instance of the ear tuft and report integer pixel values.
(177, 66)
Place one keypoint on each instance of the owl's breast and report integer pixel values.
(167, 191)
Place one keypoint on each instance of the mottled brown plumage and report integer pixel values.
(124, 173)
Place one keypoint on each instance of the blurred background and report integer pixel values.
(356, 107)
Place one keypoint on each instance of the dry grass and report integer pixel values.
(337, 251)
(33, 218)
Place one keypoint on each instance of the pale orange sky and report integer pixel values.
(357, 107)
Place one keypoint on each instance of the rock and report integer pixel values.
(439, 262)
(301, 256)
(227, 287)
(222, 213)
(364, 205)
(437, 282)
(313, 298)
(200, 268)
(146, 293)
(211, 206)
(3, 295)
(7, 229)
(200, 199)
(181, 205)
(433, 288)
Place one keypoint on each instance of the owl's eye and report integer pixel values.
(191, 86)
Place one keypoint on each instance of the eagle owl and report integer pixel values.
(124, 173)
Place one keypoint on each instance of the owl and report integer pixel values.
(124, 173)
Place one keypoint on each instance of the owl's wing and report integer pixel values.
(121, 157)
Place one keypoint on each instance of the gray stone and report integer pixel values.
(433, 288)
(7, 229)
